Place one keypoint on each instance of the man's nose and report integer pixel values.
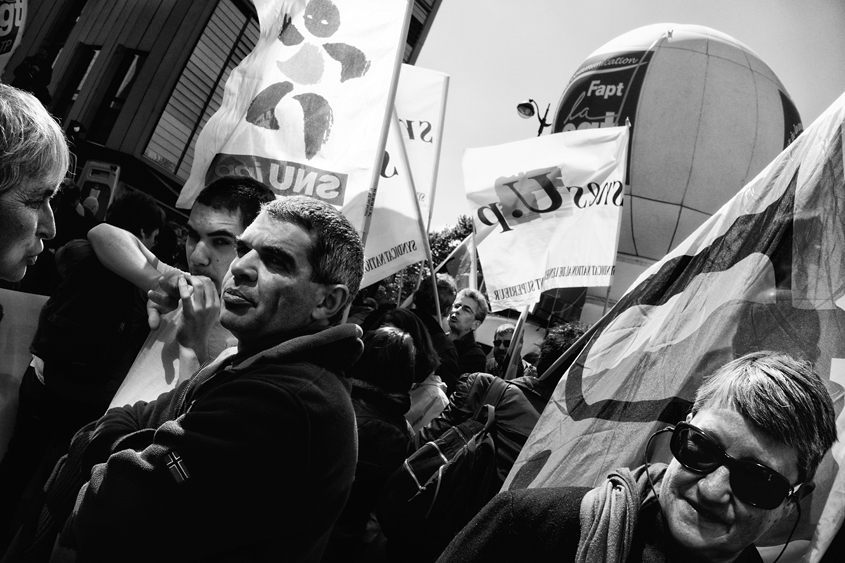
(199, 256)
(243, 267)
(715, 487)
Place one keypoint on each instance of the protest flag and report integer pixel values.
(307, 111)
(766, 272)
(421, 105)
(546, 212)
(407, 175)
(399, 236)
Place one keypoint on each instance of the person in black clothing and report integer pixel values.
(89, 332)
(381, 380)
(426, 310)
(468, 312)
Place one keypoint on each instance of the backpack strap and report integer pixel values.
(493, 394)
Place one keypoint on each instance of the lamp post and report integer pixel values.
(526, 110)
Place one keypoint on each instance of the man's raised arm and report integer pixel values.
(121, 252)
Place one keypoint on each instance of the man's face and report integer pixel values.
(704, 517)
(501, 344)
(269, 294)
(462, 318)
(26, 220)
(210, 246)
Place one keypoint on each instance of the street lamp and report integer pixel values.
(526, 110)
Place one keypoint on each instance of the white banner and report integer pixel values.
(396, 233)
(305, 111)
(547, 212)
(421, 105)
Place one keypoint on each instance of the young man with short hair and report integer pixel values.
(468, 312)
(190, 335)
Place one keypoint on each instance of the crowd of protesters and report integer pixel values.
(232, 412)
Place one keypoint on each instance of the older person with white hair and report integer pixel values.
(33, 160)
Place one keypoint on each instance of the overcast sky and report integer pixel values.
(498, 55)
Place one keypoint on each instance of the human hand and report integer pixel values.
(165, 298)
(200, 311)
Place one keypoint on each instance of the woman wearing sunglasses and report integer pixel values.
(743, 459)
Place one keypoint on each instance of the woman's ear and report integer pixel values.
(688, 418)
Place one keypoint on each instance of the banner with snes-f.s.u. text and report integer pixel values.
(305, 112)
(547, 212)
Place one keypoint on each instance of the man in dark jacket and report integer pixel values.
(253, 458)
(468, 312)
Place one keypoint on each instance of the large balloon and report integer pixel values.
(706, 115)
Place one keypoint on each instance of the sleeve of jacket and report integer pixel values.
(462, 405)
(448, 369)
(130, 426)
(538, 525)
(472, 361)
(219, 458)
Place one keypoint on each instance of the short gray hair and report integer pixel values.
(479, 298)
(783, 397)
(505, 327)
(32, 145)
(336, 255)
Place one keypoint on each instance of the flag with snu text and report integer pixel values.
(306, 112)
(766, 272)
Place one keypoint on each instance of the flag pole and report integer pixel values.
(386, 123)
(442, 118)
(403, 156)
(512, 358)
(473, 264)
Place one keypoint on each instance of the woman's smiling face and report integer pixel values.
(704, 517)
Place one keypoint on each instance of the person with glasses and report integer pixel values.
(501, 342)
(743, 459)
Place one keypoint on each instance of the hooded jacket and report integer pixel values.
(250, 460)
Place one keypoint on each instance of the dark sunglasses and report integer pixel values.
(506, 343)
(751, 482)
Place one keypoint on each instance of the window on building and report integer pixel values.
(229, 37)
(81, 65)
(128, 65)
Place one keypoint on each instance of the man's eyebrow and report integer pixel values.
(222, 233)
(279, 254)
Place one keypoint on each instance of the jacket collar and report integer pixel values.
(344, 339)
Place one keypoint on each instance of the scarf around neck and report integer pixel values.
(609, 513)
